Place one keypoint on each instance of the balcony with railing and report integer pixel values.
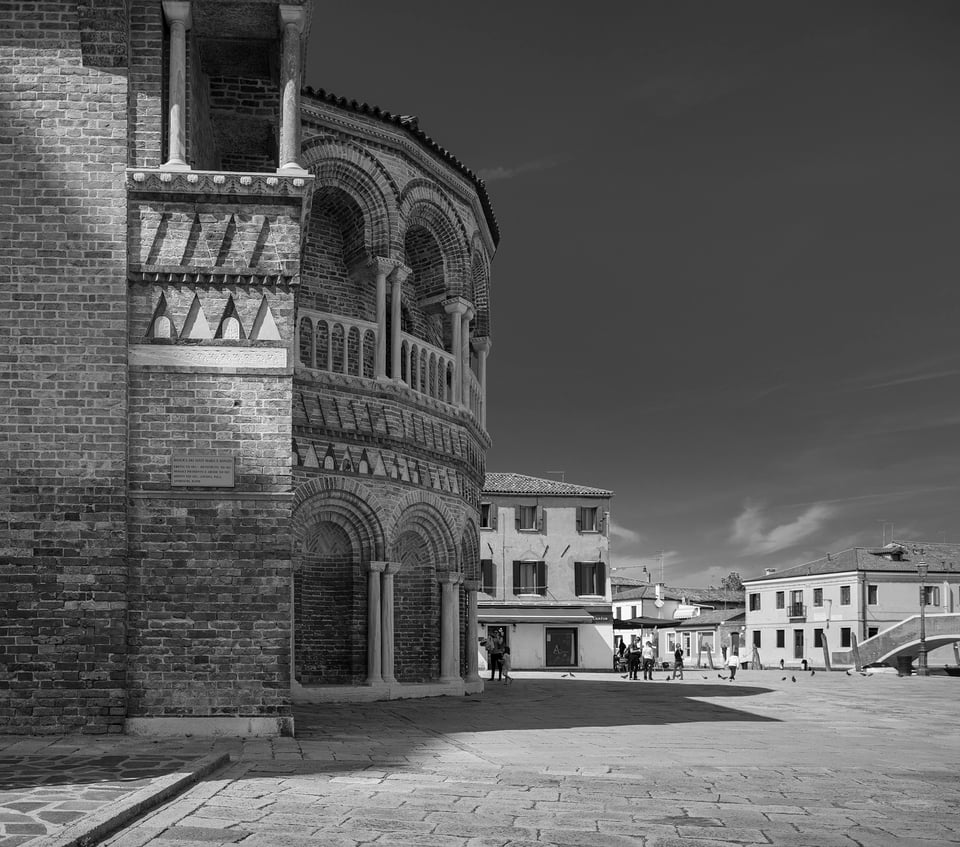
(343, 345)
(797, 612)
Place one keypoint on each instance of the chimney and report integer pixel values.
(768, 571)
(646, 574)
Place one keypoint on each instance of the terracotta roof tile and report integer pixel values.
(515, 483)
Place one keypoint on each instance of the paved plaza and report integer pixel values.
(592, 759)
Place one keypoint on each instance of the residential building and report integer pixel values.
(852, 595)
(656, 611)
(544, 561)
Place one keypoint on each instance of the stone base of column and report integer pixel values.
(313, 694)
(175, 166)
(293, 169)
(210, 727)
(473, 686)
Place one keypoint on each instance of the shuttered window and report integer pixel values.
(530, 577)
(590, 578)
(488, 583)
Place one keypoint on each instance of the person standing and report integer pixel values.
(633, 657)
(648, 657)
(495, 651)
(733, 661)
(678, 662)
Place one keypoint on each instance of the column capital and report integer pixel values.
(178, 10)
(377, 567)
(471, 584)
(481, 345)
(449, 578)
(456, 305)
(400, 272)
(392, 567)
(291, 16)
(469, 314)
(380, 265)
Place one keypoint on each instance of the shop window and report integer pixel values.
(590, 578)
(818, 638)
(756, 639)
(781, 638)
(844, 636)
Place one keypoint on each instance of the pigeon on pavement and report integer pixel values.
(793, 678)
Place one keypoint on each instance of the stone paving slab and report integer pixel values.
(835, 761)
(55, 795)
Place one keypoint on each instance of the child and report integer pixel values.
(505, 664)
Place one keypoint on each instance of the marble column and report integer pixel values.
(386, 621)
(374, 654)
(465, 357)
(382, 269)
(291, 26)
(472, 586)
(177, 13)
(482, 346)
(449, 641)
(400, 273)
(456, 309)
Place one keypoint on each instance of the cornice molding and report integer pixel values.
(159, 182)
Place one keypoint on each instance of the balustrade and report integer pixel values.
(338, 344)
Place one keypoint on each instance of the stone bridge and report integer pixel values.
(901, 639)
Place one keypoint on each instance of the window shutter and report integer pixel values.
(601, 578)
(493, 515)
(578, 578)
(542, 520)
(516, 577)
(580, 519)
(601, 520)
(539, 519)
(542, 578)
(516, 515)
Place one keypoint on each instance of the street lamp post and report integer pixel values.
(922, 669)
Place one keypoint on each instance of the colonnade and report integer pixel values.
(461, 314)
(380, 625)
(290, 22)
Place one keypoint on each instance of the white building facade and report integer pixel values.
(846, 597)
(545, 567)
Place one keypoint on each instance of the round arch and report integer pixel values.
(339, 164)
(423, 204)
(346, 504)
(429, 517)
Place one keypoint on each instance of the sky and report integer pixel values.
(728, 283)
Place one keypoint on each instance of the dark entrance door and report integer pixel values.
(561, 644)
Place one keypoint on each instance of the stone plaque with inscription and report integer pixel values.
(202, 470)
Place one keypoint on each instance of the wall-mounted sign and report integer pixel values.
(202, 470)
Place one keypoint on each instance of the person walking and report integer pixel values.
(648, 657)
(633, 657)
(678, 662)
(733, 662)
(505, 665)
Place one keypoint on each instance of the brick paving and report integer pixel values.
(594, 760)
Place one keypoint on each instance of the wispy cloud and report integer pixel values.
(624, 534)
(511, 171)
(751, 528)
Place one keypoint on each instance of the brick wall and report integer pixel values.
(63, 95)
(209, 591)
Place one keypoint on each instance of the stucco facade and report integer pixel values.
(544, 550)
(852, 595)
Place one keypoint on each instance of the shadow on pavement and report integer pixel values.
(537, 705)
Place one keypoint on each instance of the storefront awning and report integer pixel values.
(519, 614)
(645, 623)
